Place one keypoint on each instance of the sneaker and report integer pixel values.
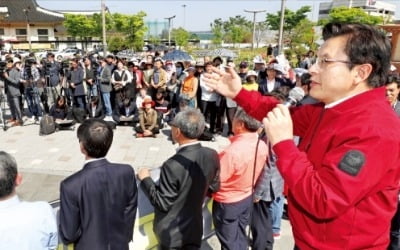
(11, 120)
(277, 236)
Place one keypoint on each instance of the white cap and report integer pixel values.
(16, 60)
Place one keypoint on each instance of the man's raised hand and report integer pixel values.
(227, 83)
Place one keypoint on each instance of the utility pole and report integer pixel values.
(254, 24)
(103, 21)
(28, 28)
(184, 15)
(169, 29)
(280, 42)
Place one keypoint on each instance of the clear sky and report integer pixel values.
(197, 15)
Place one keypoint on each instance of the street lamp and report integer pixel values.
(280, 42)
(28, 33)
(169, 29)
(254, 23)
(103, 25)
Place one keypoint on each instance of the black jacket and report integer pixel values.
(98, 206)
(185, 179)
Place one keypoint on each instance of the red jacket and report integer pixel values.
(343, 179)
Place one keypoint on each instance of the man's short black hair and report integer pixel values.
(365, 44)
(96, 137)
(393, 78)
(8, 174)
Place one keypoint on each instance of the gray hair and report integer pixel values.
(191, 122)
(250, 123)
(8, 173)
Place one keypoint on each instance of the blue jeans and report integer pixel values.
(276, 211)
(107, 103)
(32, 96)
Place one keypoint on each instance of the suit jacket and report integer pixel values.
(397, 108)
(99, 113)
(178, 198)
(119, 111)
(98, 206)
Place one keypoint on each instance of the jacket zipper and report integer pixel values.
(315, 130)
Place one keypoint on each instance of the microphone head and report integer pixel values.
(296, 94)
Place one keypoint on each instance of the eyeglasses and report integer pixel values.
(320, 62)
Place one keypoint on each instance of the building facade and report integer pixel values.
(372, 7)
(25, 25)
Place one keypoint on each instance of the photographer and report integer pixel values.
(30, 78)
(52, 74)
(75, 81)
(13, 81)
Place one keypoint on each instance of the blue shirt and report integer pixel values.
(27, 225)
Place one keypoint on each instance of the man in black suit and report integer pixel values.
(185, 180)
(98, 203)
(126, 113)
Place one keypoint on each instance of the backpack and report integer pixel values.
(78, 114)
(47, 125)
(206, 136)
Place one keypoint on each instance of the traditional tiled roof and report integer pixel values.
(35, 13)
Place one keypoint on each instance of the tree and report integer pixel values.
(291, 19)
(235, 30)
(79, 26)
(217, 30)
(181, 36)
(303, 37)
(351, 15)
(132, 26)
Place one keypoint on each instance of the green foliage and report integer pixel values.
(131, 29)
(116, 43)
(351, 15)
(79, 25)
(303, 37)
(235, 30)
(291, 18)
(181, 36)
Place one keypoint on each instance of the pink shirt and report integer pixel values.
(237, 162)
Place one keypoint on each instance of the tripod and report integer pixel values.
(2, 110)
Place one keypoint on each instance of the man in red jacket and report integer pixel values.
(343, 178)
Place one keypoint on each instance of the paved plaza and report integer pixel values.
(45, 161)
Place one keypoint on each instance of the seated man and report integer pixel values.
(126, 113)
(23, 225)
(95, 109)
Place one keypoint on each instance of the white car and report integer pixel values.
(67, 53)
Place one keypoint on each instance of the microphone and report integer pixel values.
(295, 95)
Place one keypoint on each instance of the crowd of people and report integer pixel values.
(334, 155)
(116, 89)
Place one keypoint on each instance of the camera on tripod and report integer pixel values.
(3, 67)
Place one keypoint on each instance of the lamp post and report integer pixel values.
(103, 24)
(169, 29)
(254, 24)
(184, 15)
(280, 41)
(28, 30)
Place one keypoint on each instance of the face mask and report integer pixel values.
(178, 71)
